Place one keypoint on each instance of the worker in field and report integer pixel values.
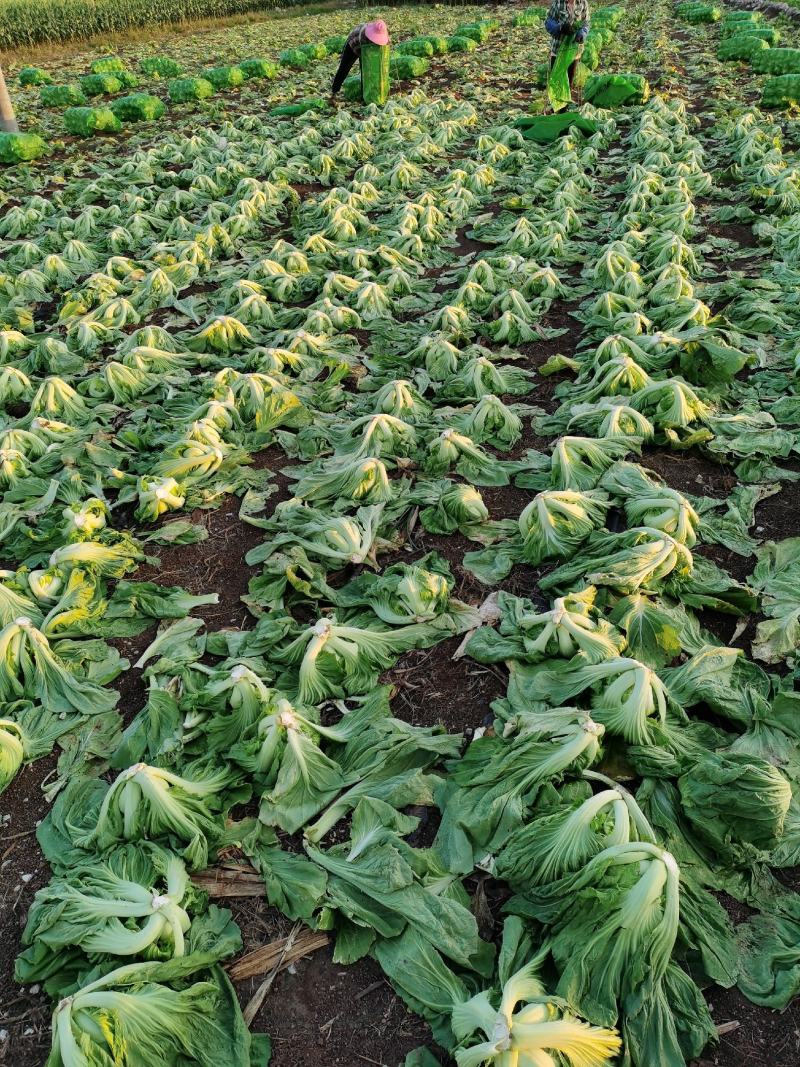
(367, 33)
(567, 23)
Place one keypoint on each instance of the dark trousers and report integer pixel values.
(345, 66)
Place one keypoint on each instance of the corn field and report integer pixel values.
(30, 22)
(24, 23)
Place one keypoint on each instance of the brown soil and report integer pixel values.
(690, 472)
(24, 1013)
(560, 316)
(762, 1039)
(346, 1016)
(507, 501)
(776, 517)
(309, 189)
(318, 1011)
(130, 684)
(468, 246)
(739, 567)
(433, 689)
(216, 563)
(738, 232)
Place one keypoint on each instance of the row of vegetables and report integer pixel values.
(114, 424)
(171, 793)
(745, 38)
(109, 76)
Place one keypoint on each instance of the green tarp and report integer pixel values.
(558, 87)
(611, 90)
(300, 108)
(546, 128)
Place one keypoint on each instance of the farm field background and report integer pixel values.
(400, 565)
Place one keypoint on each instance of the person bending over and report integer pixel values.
(568, 18)
(367, 33)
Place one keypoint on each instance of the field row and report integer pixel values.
(471, 648)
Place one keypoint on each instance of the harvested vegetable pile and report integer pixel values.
(311, 417)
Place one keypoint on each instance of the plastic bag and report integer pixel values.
(69, 95)
(300, 107)
(293, 57)
(84, 121)
(546, 128)
(107, 65)
(611, 90)
(559, 92)
(375, 74)
(258, 68)
(404, 67)
(21, 147)
(34, 76)
(100, 84)
(462, 44)
(781, 91)
(160, 67)
(181, 90)
(224, 77)
(139, 108)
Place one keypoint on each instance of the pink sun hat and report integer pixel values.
(377, 32)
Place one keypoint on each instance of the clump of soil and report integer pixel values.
(433, 689)
(24, 1010)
